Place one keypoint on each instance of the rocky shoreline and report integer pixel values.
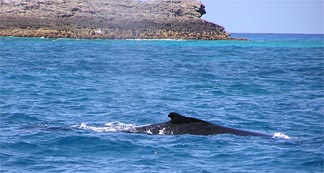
(113, 19)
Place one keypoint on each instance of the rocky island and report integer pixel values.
(111, 19)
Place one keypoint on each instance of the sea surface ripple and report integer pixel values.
(64, 104)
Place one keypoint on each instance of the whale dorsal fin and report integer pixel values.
(180, 119)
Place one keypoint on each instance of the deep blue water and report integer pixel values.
(63, 104)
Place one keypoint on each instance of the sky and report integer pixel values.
(267, 16)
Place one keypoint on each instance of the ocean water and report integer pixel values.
(65, 104)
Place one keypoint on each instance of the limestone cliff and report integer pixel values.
(114, 19)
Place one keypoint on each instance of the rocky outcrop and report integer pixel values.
(114, 19)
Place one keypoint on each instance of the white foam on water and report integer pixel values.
(109, 127)
(280, 135)
(162, 131)
(149, 132)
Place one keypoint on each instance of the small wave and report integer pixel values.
(18, 117)
(280, 135)
(109, 127)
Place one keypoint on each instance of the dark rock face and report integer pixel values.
(113, 19)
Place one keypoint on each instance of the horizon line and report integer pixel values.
(277, 33)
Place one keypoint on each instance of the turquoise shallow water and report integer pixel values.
(64, 103)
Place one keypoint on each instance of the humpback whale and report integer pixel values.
(180, 124)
